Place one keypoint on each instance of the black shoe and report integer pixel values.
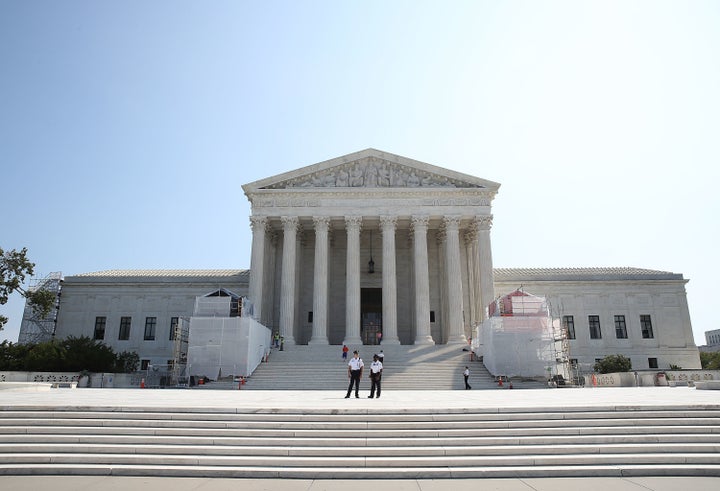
(357, 397)
(370, 397)
(347, 397)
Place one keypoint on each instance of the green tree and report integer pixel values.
(14, 268)
(87, 354)
(127, 362)
(12, 356)
(49, 356)
(710, 361)
(613, 363)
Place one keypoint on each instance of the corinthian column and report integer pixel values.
(487, 287)
(257, 264)
(352, 289)
(473, 277)
(422, 281)
(320, 282)
(389, 278)
(287, 287)
(455, 330)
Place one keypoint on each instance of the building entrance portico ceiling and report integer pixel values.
(311, 243)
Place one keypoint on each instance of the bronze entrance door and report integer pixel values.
(371, 315)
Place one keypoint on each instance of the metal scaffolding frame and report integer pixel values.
(34, 328)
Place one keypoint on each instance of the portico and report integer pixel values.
(426, 230)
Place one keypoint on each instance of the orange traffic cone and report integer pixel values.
(142, 383)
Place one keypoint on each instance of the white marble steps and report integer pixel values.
(406, 368)
(361, 443)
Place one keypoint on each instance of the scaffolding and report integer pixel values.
(181, 335)
(520, 338)
(35, 328)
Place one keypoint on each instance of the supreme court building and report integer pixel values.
(371, 242)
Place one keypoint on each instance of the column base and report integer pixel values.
(425, 340)
(390, 341)
(288, 341)
(461, 339)
(353, 341)
(319, 340)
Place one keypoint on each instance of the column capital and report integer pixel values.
(470, 235)
(388, 222)
(451, 222)
(483, 222)
(419, 222)
(321, 223)
(353, 222)
(290, 224)
(258, 223)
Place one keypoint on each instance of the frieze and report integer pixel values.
(312, 200)
(372, 172)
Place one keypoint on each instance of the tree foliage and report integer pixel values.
(613, 364)
(14, 268)
(710, 361)
(127, 362)
(67, 355)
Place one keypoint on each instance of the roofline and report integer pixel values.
(368, 152)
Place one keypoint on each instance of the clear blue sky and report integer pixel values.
(127, 128)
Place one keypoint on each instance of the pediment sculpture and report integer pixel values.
(371, 172)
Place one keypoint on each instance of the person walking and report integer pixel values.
(355, 370)
(376, 369)
(381, 357)
(466, 374)
(345, 352)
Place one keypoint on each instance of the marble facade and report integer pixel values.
(426, 230)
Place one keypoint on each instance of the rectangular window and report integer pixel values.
(150, 323)
(99, 327)
(568, 323)
(573, 362)
(310, 317)
(620, 327)
(432, 316)
(652, 362)
(646, 327)
(174, 322)
(124, 328)
(144, 364)
(594, 323)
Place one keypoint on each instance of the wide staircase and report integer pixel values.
(360, 443)
(405, 368)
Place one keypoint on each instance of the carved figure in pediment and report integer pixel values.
(318, 181)
(384, 176)
(427, 181)
(371, 176)
(413, 181)
(400, 178)
(356, 177)
(330, 180)
(342, 178)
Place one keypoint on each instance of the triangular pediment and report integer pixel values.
(370, 169)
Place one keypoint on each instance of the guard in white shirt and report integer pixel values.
(355, 369)
(376, 369)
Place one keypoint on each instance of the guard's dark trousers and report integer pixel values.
(354, 379)
(375, 385)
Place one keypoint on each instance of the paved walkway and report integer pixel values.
(93, 483)
(324, 400)
(223, 400)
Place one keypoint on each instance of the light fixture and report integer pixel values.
(371, 263)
